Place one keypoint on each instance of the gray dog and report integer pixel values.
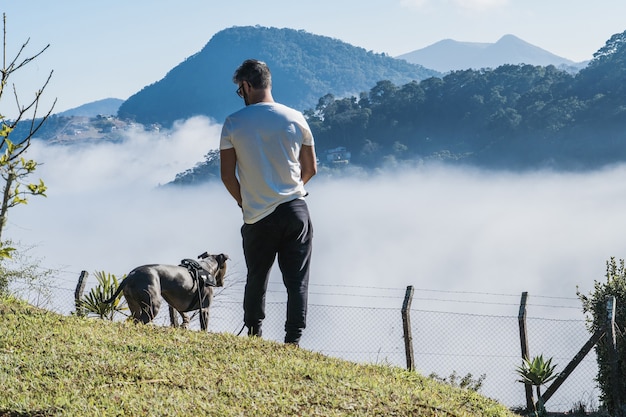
(178, 285)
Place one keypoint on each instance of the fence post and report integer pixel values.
(78, 293)
(523, 337)
(572, 365)
(406, 324)
(616, 382)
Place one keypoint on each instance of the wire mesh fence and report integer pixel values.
(462, 335)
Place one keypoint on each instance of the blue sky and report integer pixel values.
(115, 48)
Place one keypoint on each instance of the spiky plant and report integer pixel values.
(537, 372)
(93, 304)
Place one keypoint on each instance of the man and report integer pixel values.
(267, 155)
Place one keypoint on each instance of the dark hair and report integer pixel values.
(255, 72)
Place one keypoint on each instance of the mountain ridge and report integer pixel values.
(514, 118)
(305, 67)
(106, 106)
(456, 55)
(450, 55)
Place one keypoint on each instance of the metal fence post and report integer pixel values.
(406, 324)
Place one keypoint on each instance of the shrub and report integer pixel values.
(466, 382)
(594, 306)
(24, 277)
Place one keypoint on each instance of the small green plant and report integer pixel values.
(24, 277)
(537, 372)
(466, 382)
(93, 304)
(579, 409)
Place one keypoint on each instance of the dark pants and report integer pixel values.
(288, 233)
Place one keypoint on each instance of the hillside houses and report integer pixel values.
(339, 155)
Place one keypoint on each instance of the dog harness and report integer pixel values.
(199, 273)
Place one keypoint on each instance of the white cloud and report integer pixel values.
(414, 4)
(471, 5)
(142, 159)
(480, 5)
(481, 235)
(104, 208)
(471, 230)
(432, 227)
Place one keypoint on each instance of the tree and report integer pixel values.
(613, 46)
(594, 306)
(14, 167)
(605, 73)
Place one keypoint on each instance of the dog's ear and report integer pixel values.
(221, 259)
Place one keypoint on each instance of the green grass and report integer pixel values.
(53, 365)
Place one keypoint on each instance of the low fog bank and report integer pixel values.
(469, 241)
(471, 230)
(433, 227)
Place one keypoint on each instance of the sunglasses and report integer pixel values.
(240, 90)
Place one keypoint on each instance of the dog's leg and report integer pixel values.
(142, 293)
(173, 317)
(204, 312)
(149, 311)
(185, 318)
(204, 319)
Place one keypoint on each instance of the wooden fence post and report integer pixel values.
(78, 293)
(608, 331)
(523, 337)
(616, 382)
(572, 365)
(406, 324)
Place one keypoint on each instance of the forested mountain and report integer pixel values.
(305, 67)
(514, 116)
(376, 111)
(511, 117)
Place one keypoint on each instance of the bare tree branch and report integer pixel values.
(14, 168)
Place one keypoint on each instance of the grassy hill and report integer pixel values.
(53, 365)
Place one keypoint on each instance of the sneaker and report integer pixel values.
(255, 330)
(292, 338)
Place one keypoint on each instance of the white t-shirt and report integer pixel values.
(267, 138)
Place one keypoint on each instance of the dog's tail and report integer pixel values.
(116, 293)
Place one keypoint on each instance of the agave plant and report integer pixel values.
(537, 372)
(93, 303)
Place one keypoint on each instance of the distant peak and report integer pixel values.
(511, 39)
(508, 36)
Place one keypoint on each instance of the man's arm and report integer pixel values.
(308, 163)
(228, 164)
